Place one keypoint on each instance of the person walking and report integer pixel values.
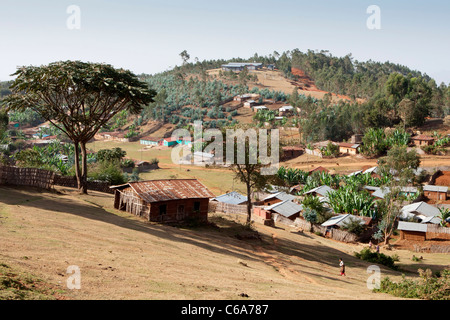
(342, 267)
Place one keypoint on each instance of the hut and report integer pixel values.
(422, 140)
(412, 231)
(287, 209)
(164, 200)
(291, 152)
(321, 191)
(277, 197)
(285, 110)
(349, 148)
(435, 192)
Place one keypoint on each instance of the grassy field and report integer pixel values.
(123, 257)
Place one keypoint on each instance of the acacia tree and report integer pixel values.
(78, 98)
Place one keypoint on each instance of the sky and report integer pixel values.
(147, 36)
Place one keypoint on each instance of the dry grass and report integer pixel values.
(122, 257)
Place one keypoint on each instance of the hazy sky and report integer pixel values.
(147, 36)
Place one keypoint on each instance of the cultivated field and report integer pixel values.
(123, 257)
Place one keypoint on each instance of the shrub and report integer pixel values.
(375, 257)
(429, 287)
(353, 226)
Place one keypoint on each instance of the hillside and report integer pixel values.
(122, 257)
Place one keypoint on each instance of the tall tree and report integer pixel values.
(400, 163)
(78, 98)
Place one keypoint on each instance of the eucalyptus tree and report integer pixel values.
(78, 98)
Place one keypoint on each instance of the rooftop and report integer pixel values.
(170, 189)
(286, 208)
(231, 198)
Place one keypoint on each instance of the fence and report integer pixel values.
(437, 232)
(45, 179)
(215, 206)
(336, 234)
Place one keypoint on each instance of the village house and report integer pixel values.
(291, 152)
(112, 136)
(321, 191)
(164, 200)
(259, 108)
(420, 211)
(249, 103)
(240, 66)
(412, 231)
(150, 141)
(285, 110)
(233, 197)
(422, 140)
(169, 142)
(435, 192)
(276, 198)
(286, 209)
(349, 148)
(343, 219)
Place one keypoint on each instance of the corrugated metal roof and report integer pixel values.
(435, 188)
(283, 196)
(231, 198)
(286, 208)
(322, 190)
(412, 226)
(342, 219)
(421, 208)
(164, 190)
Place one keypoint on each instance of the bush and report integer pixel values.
(353, 226)
(375, 257)
(429, 287)
(107, 172)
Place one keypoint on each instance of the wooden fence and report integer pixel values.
(45, 179)
(215, 206)
(336, 234)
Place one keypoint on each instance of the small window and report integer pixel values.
(197, 206)
(162, 209)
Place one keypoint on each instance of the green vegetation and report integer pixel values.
(78, 98)
(428, 287)
(375, 257)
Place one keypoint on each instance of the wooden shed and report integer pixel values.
(412, 231)
(422, 140)
(435, 192)
(164, 200)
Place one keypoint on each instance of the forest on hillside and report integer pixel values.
(394, 95)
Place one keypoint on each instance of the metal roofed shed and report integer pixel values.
(286, 208)
(321, 191)
(277, 197)
(164, 200)
(231, 198)
(421, 208)
(342, 219)
(412, 231)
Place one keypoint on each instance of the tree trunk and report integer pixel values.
(77, 164)
(83, 188)
(249, 204)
